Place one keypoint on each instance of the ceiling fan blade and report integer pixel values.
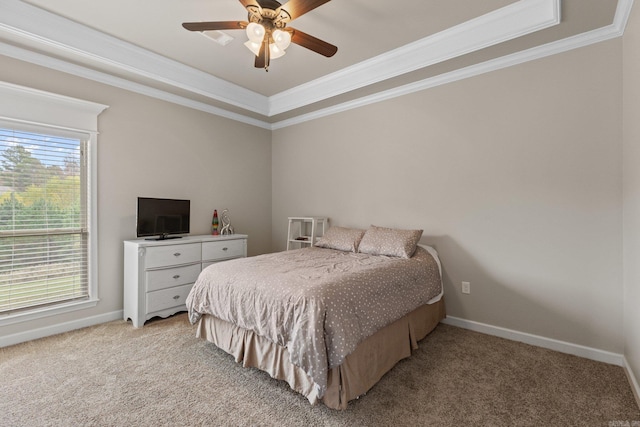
(247, 3)
(210, 26)
(297, 8)
(312, 43)
(253, 7)
(262, 60)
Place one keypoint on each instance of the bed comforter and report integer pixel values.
(318, 303)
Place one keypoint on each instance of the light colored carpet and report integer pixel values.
(161, 375)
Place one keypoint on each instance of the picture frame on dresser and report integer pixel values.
(158, 274)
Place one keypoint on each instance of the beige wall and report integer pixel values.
(148, 147)
(515, 177)
(631, 186)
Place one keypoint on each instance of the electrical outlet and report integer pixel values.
(466, 287)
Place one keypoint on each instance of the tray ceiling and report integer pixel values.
(382, 51)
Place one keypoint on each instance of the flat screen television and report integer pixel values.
(162, 218)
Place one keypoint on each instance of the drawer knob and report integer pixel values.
(177, 254)
(224, 249)
(177, 276)
(176, 297)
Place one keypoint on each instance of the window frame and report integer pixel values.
(25, 106)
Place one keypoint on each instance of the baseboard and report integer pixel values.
(552, 344)
(59, 328)
(633, 381)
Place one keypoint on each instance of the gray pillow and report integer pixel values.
(340, 238)
(389, 241)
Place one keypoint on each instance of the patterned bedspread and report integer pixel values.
(318, 303)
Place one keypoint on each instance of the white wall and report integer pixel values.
(515, 177)
(148, 147)
(631, 167)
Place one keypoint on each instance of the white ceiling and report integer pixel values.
(383, 50)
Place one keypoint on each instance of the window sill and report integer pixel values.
(25, 316)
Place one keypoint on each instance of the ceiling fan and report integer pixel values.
(267, 29)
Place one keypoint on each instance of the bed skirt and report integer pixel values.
(360, 371)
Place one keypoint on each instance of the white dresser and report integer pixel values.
(158, 274)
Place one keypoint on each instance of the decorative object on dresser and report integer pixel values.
(159, 274)
(304, 230)
(226, 223)
(214, 223)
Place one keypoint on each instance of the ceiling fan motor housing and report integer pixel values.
(268, 16)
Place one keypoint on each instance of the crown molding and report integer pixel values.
(51, 30)
(581, 40)
(515, 20)
(104, 78)
(623, 10)
(350, 78)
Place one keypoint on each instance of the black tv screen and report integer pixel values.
(162, 217)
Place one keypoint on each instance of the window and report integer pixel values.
(43, 218)
(48, 228)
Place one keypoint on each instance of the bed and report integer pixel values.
(331, 319)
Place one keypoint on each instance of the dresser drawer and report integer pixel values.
(167, 298)
(225, 249)
(163, 256)
(169, 277)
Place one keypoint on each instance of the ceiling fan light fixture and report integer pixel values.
(255, 32)
(275, 52)
(282, 39)
(278, 40)
(253, 47)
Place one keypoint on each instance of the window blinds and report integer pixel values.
(43, 217)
